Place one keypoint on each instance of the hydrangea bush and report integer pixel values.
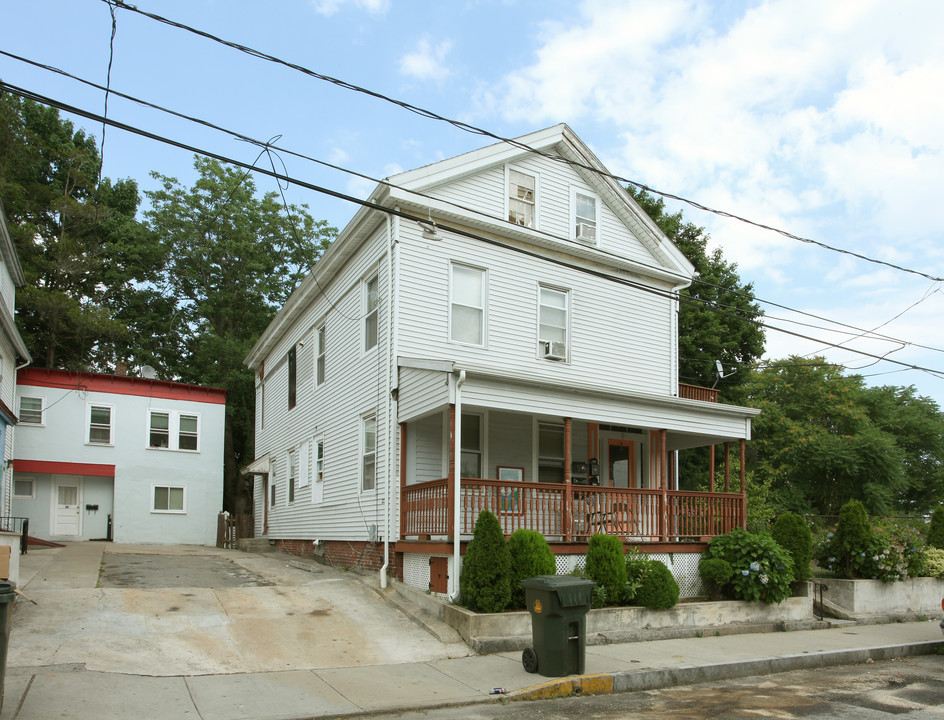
(761, 569)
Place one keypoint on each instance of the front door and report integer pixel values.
(621, 463)
(67, 514)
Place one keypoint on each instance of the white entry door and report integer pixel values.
(67, 514)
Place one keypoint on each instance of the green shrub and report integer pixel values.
(530, 556)
(715, 574)
(936, 530)
(597, 595)
(658, 590)
(762, 570)
(485, 580)
(851, 541)
(934, 562)
(606, 567)
(794, 535)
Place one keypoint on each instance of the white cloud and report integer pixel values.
(330, 7)
(427, 61)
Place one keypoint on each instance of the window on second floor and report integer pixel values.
(467, 305)
(171, 430)
(371, 301)
(320, 350)
(31, 410)
(100, 419)
(292, 375)
(553, 311)
(522, 198)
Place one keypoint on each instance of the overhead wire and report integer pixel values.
(270, 146)
(392, 211)
(467, 127)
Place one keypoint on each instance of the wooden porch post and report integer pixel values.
(711, 468)
(568, 486)
(663, 461)
(743, 444)
(402, 479)
(727, 467)
(451, 530)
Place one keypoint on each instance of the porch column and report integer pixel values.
(663, 460)
(743, 444)
(727, 467)
(568, 486)
(402, 480)
(451, 531)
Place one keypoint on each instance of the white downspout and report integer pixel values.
(393, 227)
(457, 509)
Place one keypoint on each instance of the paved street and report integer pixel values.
(906, 689)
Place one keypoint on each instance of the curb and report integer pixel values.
(655, 679)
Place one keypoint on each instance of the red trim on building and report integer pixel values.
(51, 467)
(120, 385)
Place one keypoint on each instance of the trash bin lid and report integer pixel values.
(571, 590)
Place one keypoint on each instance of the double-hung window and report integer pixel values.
(100, 421)
(320, 356)
(467, 306)
(553, 312)
(371, 302)
(31, 410)
(470, 462)
(586, 226)
(522, 198)
(172, 430)
(369, 454)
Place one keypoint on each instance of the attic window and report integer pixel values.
(585, 218)
(521, 198)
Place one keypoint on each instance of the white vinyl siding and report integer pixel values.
(467, 307)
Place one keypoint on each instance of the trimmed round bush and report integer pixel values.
(530, 556)
(606, 567)
(715, 574)
(659, 590)
(936, 530)
(934, 562)
(485, 580)
(762, 570)
(793, 534)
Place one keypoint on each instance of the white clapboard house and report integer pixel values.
(504, 338)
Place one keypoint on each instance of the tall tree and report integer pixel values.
(83, 252)
(718, 317)
(233, 259)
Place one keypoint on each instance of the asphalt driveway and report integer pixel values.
(187, 610)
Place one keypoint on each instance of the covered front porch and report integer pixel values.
(564, 477)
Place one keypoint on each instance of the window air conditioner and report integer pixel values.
(586, 232)
(555, 350)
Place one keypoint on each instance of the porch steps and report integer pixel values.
(255, 545)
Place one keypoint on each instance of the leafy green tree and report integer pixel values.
(233, 258)
(84, 254)
(485, 580)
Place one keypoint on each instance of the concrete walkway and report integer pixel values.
(317, 684)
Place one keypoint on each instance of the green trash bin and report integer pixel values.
(7, 596)
(558, 605)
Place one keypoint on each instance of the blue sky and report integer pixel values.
(822, 119)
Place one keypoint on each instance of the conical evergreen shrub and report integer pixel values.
(606, 567)
(936, 531)
(530, 556)
(793, 534)
(485, 580)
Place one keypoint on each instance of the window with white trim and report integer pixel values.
(371, 302)
(467, 305)
(24, 488)
(553, 322)
(168, 499)
(522, 198)
(32, 410)
(292, 474)
(173, 430)
(586, 227)
(369, 454)
(470, 459)
(318, 464)
(100, 421)
(320, 356)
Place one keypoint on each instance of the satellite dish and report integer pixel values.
(148, 372)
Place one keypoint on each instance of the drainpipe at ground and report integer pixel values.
(457, 507)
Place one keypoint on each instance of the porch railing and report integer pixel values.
(696, 392)
(19, 525)
(635, 514)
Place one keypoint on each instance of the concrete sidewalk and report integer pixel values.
(72, 691)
